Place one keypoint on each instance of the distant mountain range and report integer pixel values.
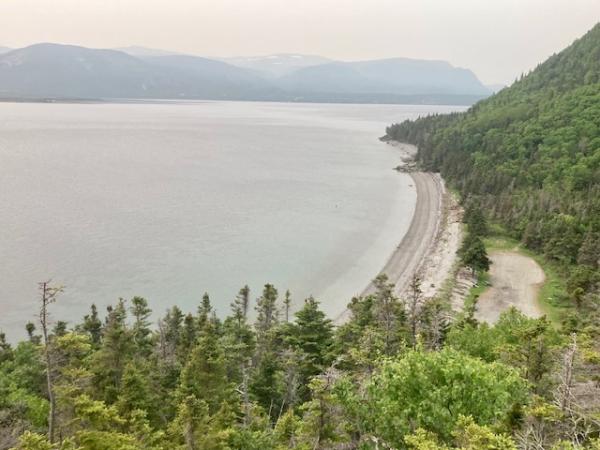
(53, 71)
(275, 66)
(399, 76)
(142, 52)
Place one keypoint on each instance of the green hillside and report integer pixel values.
(530, 157)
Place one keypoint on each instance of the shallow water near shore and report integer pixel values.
(169, 201)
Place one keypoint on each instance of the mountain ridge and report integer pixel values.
(400, 76)
(59, 71)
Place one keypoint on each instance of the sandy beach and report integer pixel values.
(418, 240)
(429, 247)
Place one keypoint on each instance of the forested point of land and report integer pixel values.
(529, 157)
(401, 373)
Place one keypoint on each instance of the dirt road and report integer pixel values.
(515, 280)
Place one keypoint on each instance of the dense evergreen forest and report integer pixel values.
(400, 373)
(529, 156)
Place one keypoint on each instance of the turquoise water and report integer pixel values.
(171, 200)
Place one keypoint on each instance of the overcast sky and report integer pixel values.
(497, 39)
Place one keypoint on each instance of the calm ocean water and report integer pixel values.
(171, 200)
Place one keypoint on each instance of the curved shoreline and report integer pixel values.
(419, 241)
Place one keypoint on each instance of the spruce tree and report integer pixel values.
(204, 311)
(187, 338)
(205, 374)
(267, 312)
(141, 332)
(266, 380)
(136, 392)
(389, 314)
(116, 350)
(475, 256)
(311, 335)
(475, 220)
(241, 304)
(92, 325)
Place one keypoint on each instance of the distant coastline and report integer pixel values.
(368, 99)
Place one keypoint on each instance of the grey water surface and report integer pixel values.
(169, 200)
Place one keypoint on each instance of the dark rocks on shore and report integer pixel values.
(407, 167)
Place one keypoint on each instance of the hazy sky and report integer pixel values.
(497, 39)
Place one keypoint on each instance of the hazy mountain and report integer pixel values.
(51, 70)
(399, 76)
(67, 72)
(143, 52)
(4, 49)
(277, 65)
(206, 78)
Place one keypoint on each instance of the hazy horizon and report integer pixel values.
(497, 39)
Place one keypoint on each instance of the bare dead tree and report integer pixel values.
(291, 373)
(162, 340)
(578, 424)
(564, 393)
(48, 296)
(387, 312)
(533, 436)
(571, 422)
(435, 317)
(243, 390)
(189, 431)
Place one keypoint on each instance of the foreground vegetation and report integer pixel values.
(398, 374)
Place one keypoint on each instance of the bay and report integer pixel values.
(169, 200)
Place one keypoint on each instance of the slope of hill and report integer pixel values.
(530, 156)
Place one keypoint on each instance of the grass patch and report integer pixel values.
(483, 284)
(552, 295)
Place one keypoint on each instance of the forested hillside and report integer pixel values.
(530, 156)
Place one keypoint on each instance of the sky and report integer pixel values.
(497, 39)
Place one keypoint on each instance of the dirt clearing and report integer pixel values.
(515, 280)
